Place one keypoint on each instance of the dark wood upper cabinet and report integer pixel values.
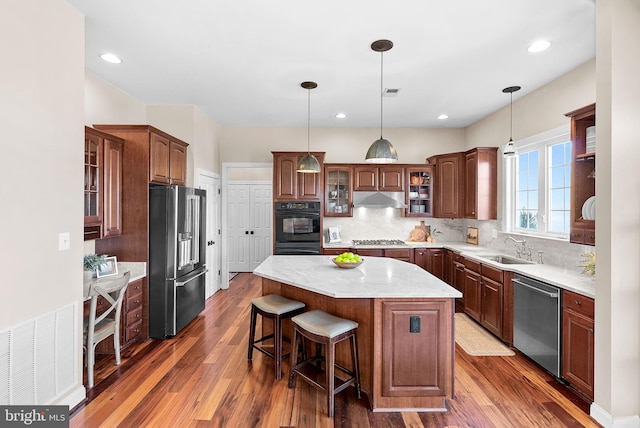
(583, 183)
(168, 160)
(391, 179)
(102, 184)
(290, 185)
(466, 184)
(449, 185)
(365, 178)
(385, 178)
(112, 213)
(481, 183)
(338, 194)
(178, 163)
(159, 164)
(164, 156)
(419, 194)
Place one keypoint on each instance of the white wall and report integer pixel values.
(41, 134)
(413, 145)
(104, 103)
(617, 319)
(539, 111)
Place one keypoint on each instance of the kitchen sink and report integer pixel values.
(505, 260)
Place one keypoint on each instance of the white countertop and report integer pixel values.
(138, 270)
(377, 277)
(571, 280)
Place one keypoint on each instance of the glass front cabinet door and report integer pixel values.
(419, 194)
(338, 181)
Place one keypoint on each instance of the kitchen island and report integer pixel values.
(405, 316)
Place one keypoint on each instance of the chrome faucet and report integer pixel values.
(520, 251)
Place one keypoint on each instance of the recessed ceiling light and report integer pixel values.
(111, 58)
(539, 46)
(443, 117)
(341, 115)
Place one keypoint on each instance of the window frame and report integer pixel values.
(541, 142)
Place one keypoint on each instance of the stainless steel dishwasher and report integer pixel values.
(536, 321)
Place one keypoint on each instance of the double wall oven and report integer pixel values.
(297, 228)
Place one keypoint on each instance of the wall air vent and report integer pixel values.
(390, 92)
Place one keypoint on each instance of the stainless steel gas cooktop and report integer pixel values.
(378, 242)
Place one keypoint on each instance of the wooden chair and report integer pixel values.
(99, 326)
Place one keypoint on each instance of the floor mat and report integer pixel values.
(475, 340)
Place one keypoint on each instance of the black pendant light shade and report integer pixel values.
(381, 151)
(509, 148)
(308, 163)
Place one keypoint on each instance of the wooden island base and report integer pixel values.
(406, 345)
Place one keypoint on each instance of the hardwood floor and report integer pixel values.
(201, 378)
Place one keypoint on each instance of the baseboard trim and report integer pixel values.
(606, 420)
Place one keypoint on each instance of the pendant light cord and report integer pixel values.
(381, 75)
(511, 120)
(308, 121)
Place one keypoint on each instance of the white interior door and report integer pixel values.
(211, 183)
(260, 232)
(238, 227)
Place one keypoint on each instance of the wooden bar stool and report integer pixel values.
(276, 308)
(325, 329)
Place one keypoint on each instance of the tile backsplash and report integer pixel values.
(388, 223)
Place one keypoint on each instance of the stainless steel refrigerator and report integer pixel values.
(177, 267)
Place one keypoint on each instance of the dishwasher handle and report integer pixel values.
(536, 289)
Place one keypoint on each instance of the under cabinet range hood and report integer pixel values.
(379, 200)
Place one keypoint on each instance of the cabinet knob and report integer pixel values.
(577, 302)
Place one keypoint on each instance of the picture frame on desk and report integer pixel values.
(108, 268)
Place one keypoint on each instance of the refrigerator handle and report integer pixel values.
(196, 230)
(182, 283)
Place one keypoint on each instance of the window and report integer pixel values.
(539, 192)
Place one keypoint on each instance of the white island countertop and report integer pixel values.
(377, 277)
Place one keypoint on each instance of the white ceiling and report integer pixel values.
(242, 61)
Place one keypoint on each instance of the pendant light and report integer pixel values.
(308, 163)
(509, 149)
(381, 151)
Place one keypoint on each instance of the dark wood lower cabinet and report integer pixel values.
(333, 251)
(578, 338)
(472, 294)
(432, 260)
(458, 280)
(491, 313)
(492, 300)
(404, 254)
(414, 345)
